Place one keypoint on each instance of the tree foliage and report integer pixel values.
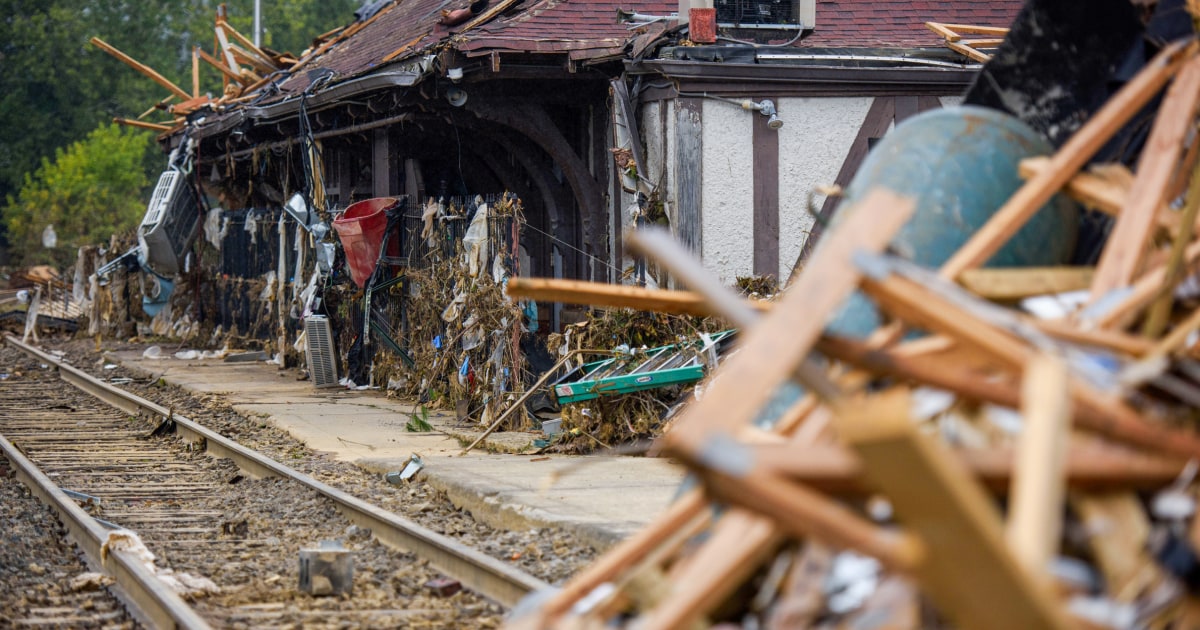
(55, 87)
(91, 190)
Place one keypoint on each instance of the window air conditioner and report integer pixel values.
(776, 14)
(171, 223)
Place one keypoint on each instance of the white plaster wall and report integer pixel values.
(813, 142)
(951, 101)
(727, 190)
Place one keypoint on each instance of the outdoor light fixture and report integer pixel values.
(457, 96)
(765, 107)
(454, 74)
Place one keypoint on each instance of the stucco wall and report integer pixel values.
(727, 189)
(813, 142)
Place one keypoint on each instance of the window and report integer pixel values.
(762, 13)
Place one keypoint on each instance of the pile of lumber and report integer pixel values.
(971, 464)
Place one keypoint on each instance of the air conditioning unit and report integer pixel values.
(322, 362)
(171, 223)
(766, 14)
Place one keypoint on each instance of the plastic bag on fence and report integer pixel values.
(454, 308)
(213, 229)
(432, 209)
(475, 242)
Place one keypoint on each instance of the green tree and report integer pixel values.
(93, 189)
(55, 87)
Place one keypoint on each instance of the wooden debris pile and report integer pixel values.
(243, 67)
(1003, 470)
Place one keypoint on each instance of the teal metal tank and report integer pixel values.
(960, 165)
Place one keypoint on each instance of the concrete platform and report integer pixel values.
(601, 499)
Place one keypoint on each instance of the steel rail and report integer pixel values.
(482, 573)
(146, 597)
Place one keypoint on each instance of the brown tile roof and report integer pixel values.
(897, 23)
(589, 28)
(564, 25)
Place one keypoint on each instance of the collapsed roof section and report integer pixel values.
(401, 43)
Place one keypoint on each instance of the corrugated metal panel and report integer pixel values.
(322, 363)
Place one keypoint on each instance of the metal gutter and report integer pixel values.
(797, 73)
(327, 97)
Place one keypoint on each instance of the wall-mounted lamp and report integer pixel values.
(765, 107)
(456, 96)
(454, 74)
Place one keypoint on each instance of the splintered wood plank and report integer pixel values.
(778, 346)
(141, 124)
(1103, 412)
(1014, 283)
(1127, 241)
(614, 295)
(969, 52)
(1103, 187)
(740, 543)
(967, 570)
(626, 554)
(975, 29)
(943, 31)
(1066, 162)
(1038, 483)
(214, 62)
(834, 470)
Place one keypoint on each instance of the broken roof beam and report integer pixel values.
(141, 67)
(230, 74)
(261, 65)
(230, 60)
(247, 46)
(141, 124)
(614, 295)
(954, 32)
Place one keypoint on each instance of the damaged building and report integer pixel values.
(567, 122)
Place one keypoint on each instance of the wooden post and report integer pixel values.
(1038, 484)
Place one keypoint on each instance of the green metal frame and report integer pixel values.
(675, 364)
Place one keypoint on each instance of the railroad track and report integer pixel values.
(236, 520)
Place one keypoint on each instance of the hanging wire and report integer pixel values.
(572, 247)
